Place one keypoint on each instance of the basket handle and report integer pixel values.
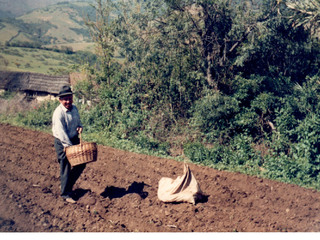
(80, 137)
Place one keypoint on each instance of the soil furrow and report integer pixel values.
(118, 193)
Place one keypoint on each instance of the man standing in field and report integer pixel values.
(66, 126)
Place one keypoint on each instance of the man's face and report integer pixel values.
(66, 101)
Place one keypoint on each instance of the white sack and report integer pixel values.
(184, 188)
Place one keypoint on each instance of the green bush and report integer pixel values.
(238, 156)
(150, 144)
(213, 115)
(7, 95)
(40, 117)
(196, 152)
(299, 161)
(287, 117)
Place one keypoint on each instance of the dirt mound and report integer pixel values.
(118, 193)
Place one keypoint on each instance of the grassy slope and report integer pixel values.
(84, 46)
(20, 7)
(7, 31)
(33, 60)
(63, 23)
(62, 17)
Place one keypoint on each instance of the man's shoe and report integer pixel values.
(70, 200)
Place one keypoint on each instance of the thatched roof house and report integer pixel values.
(32, 83)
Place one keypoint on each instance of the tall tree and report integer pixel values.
(102, 32)
(220, 27)
(304, 12)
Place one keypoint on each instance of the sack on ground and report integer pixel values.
(184, 188)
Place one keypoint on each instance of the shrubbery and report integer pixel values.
(266, 94)
(40, 117)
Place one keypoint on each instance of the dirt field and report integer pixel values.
(118, 193)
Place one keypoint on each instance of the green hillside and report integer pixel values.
(25, 42)
(7, 31)
(55, 24)
(17, 8)
(40, 60)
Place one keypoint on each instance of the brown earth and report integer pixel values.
(118, 193)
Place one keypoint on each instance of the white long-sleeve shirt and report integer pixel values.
(65, 123)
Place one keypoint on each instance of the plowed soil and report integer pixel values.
(118, 193)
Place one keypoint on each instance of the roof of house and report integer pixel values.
(25, 81)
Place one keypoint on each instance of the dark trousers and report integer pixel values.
(68, 175)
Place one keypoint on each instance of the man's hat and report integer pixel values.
(64, 91)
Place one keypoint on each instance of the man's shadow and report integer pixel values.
(79, 193)
(115, 192)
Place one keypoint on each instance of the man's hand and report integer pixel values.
(79, 130)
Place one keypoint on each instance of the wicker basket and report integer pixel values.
(82, 153)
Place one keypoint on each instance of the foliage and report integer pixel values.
(280, 43)
(39, 117)
(212, 115)
(298, 162)
(238, 156)
(233, 86)
(305, 13)
(7, 95)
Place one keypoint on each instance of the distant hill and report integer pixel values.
(54, 24)
(5, 14)
(18, 8)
